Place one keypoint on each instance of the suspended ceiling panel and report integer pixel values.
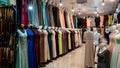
(89, 7)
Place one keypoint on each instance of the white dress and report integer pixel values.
(22, 55)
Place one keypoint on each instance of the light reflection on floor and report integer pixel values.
(74, 59)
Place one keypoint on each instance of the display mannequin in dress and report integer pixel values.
(96, 37)
(89, 49)
(22, 56)
(112, 40)
(103, 56)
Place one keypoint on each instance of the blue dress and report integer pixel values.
(31, 49)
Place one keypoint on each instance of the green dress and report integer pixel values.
(22, 55)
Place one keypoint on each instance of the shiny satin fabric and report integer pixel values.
(44, 14)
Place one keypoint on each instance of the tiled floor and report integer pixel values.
(74, 59)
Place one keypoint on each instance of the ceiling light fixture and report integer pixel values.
(103, 3)
(72, 8)
(60, 4)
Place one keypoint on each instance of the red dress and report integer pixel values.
(24, 13)
(105, 20)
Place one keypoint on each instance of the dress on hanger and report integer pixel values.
(110, 19)
(97, 21)
(54, 44)
(60, 42)
(105, 20)
(92, 24)
(36, 44)
(116, 52)
(46, 45)
(22, 55)
(50, 43)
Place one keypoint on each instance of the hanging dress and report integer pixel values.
(22, 55)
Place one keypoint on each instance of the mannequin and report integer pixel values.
(103, 57)
(112, 39)
(115, 53)
(107, 33)
(31, 48)
(89, 49)
(21, 56)
(96, 37)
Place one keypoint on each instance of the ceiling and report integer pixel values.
(89, 7)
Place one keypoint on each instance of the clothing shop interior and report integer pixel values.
(59, 34)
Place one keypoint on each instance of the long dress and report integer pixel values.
(103, 59)
(22, 56)
(31, 48)
(89, 49)
(115, 53)
(112, 43)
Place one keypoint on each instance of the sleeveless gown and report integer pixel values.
(21, 55)
(115, 53)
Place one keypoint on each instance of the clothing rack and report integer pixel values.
(7, 36)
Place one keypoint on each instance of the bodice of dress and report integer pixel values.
(89, 36)
(22, 36)
(117, 39)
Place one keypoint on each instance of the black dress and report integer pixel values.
(103, 59)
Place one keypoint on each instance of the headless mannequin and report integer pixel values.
(112, 42)
(96, 37)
